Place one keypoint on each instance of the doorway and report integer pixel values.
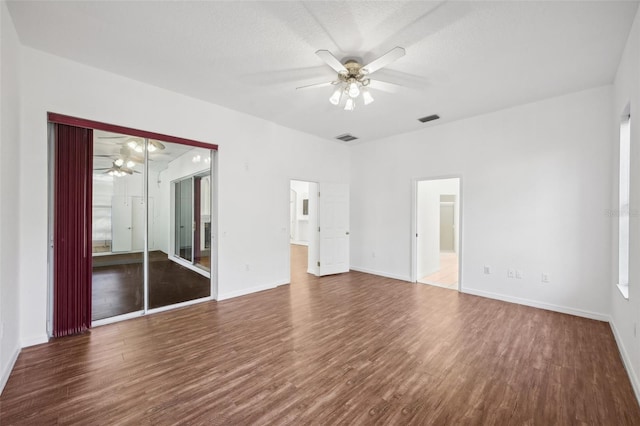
(303, 229)
(436, 251)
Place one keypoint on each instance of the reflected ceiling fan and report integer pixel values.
(125, 157)
(118, 169)
(353, 78)
(137, 144)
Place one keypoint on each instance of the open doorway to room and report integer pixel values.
(303, 228)
(437, 248)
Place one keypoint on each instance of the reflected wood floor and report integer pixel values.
(344, 349)
(117, 283)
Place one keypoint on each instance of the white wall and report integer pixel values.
(256, 161)
(10, 221)
(536, 183)
(625, 314)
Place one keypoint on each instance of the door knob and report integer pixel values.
(347, 233)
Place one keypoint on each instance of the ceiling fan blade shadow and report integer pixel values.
(403, 78)
(331, 60)
(385, 86)
(286, 76)
(316, 85)
(384, 60)
(432, 18)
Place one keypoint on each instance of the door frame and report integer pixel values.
(414, 224)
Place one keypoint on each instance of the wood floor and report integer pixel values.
(344, 349)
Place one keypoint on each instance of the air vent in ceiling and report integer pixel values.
(429, 118)
(346, 137)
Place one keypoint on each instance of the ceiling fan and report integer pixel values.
(118, 169)
(125, 157)
(137, 144)
(353, 78)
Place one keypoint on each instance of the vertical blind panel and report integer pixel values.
(72, 230)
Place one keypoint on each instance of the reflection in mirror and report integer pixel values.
(118, 227)
(184, 224)
(178, 224)
(179, 262)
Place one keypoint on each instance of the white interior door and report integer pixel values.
(334, 228)
(137, 223)
(120, 224)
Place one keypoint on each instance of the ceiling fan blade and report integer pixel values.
(309, 86)
(384, 60)
(159, 145)
(331, 60)
(384, 86)
(106, 168)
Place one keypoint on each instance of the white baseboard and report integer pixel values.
(36, 340)
(245, 291)
(626, 360)
(382, 274)
(537, 304)
(9, 368)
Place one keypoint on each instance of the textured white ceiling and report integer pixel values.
(463, 58)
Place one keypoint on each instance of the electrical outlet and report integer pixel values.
(487, 269)
(518, 274)
(246, 267)
(511, 273)
(373, 254)
(545, 277)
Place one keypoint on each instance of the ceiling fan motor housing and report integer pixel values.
(353, 73)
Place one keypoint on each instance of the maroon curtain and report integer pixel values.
(72, 230)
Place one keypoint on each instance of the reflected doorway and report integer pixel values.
(192, 220)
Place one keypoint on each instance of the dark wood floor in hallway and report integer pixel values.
(344, 349)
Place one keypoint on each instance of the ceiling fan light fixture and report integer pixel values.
(336, 96)
(151, 147)
(119, 162)
(350, 105)
(131, 164)
(353, 89)
(366, 96)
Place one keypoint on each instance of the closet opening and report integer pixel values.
(151, 242)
